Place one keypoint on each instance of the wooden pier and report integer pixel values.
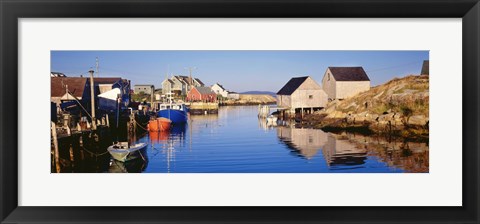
(203, 108)
(79, 147)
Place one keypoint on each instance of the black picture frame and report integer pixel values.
(11, 11)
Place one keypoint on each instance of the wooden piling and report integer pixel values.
(108, 122)
(71, 153)
(55, 145)
(80, 140)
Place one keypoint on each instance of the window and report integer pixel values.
(310, 96)
(328, 78)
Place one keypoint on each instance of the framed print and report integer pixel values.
(251, 112)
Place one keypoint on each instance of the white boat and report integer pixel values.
(122, 151)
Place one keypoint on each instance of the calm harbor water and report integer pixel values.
(236, 141)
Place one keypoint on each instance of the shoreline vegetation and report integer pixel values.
(398, 108)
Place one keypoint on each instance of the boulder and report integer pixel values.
(418, 120)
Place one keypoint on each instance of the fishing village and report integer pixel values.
(179, 123)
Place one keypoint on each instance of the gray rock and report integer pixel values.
(418, 120)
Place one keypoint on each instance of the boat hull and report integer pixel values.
(127, 154)
(159, 124)
(176, 116)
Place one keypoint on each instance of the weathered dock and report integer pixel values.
(82, 146)
(203, 108)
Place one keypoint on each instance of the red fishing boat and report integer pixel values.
(159, 124)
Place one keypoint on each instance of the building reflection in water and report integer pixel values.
(308, 142)
(304, 142)
(351, 151)
(339, 152)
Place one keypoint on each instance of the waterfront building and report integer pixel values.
(107, 88)
(66, 91)
(69, 89)
(344, 82)
(146, 89)
(167, 86)
(233, 95)
(302, 94)
(220, 90)
(180, 85)
(201, 93)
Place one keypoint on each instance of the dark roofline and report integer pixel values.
(356, 73)
(292, 85)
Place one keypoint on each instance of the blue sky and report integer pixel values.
(238, 71)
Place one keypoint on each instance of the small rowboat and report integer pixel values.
(122, 151)
(159, 124)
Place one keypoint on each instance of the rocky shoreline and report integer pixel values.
(388, 125)
(399, 108)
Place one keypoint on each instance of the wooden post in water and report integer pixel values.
(71, 152)
(108, 122)
(55, 145)
(80, 141)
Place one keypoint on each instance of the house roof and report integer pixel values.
(76, 86)
(183, 78)
(220, 86)
(57, 74)
(204, 90)
(149, 85)
(349, 73)
(169, 80)
(292, 85)
(106, 80)
(199, 82)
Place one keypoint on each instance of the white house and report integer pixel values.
(233, 95)
(344, 82)
(219, 90)
(146, 89)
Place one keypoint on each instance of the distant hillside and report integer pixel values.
(260, 93)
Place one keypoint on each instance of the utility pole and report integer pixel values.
(96, 66)
(92, 96)
(191, 79)
(151, 96)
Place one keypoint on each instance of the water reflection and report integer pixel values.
(167, 143)
(341, 154)
(410, 156)
(353, 151)
(306, 142)
(132, 166)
